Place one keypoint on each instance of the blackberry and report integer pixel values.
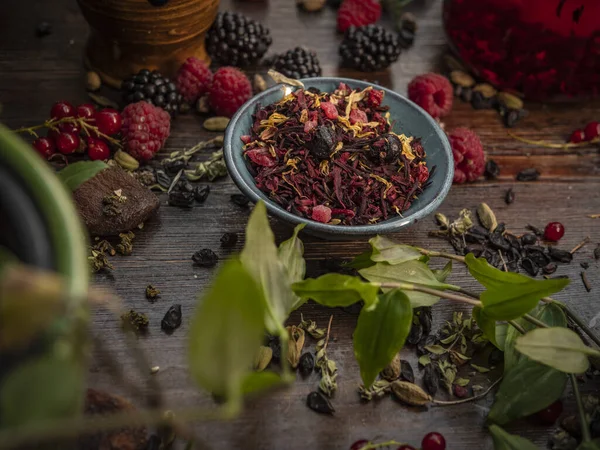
(153, 88)
(298, 63)
(236, 40)
(369, 48)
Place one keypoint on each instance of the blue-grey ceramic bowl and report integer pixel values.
(409, 119)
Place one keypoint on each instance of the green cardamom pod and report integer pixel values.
(461, 78)
(410, 393)
(487, 217)
(125, 160)
(510, 101)
(392, 371)
(442, 220)
(487, 90)
(216, 123)
(263, 358)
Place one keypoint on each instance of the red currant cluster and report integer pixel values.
(590, 132)
(431, 441)
(72, 129)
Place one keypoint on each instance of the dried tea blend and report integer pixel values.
(333, 157)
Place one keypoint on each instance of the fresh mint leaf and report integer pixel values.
(442, 274)
(334, 289)
(489, 276)
(505, 441)
(486, 324)
(380, 333)
(291, 254)
(386, 250)
(226, 331)
(360, 261)
(78, 173)
(556, 347)
(255, 382)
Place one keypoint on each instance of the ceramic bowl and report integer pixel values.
(409, 119)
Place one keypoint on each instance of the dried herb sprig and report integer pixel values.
(310, 326)
(546, 144)
(328, 367)
(212, 169)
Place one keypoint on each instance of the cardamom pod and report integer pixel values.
(125, 160)
(216, 123)
(487, 90)
(263, 358)
(461, 78)
(258, 83)
(295, 345)
(410, 393)
(311, 5)
(487, 217)
(442, 220)
(392, 371)
(510, 101)
(202, 105)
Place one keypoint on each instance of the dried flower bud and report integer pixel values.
(263, 358)
(442, 220)
(295, 345)
(410, 393)
(92, 81)
(392, 371)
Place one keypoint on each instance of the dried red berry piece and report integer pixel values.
(433, 441)
(321, 213)
(577, 136)
(330, 110)
(592, 131)
(554, 231)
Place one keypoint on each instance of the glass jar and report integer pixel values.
(541, 48)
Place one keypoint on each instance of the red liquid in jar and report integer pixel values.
(542, 48)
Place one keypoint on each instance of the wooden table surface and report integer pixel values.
(36, 72)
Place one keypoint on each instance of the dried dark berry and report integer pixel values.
(240, 199)
(466, 95)
(298, 63)
(530, 267)
(513, 241)
(528, 239)
(431, 379)
(201, 193)
(549, 269)
(561, 256)
(275, 345)
(43, 29)
(184, 185)
(585, 265)
(173, 167)
(372, 47)
(476, 249)
(306, 364)
(205, 258)
(425, 317)
(511, 117)
(479, 101)
(406, 38)
(537, 256)
(406, 371)
(492, 169)
(181, 198)
(497, 241)
(229, 240)
(536, 230)
(509, 197)
(172, 319)
(416, 332)
(162, 178)
(322, 143)
(319, 403)
(500, 228)
(388, 149)
(531, 174)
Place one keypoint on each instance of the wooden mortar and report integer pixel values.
(130, 35)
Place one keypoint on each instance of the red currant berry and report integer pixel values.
(108, 121)
(97, 149)
(62, 109)
(577, 136)
(592, 130)
(68, 127)
(551, 413)
(406, 447)
(86, 111)
(359, 444)
(67, 143)
(554, 231)
(45, 146)
(433, 441)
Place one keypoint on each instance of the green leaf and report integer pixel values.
(462, 381)
(415, 272)
(226, 331)
(334, 289)
(255, 382)
(556, 347)
(501, 330)
(480, 369)
(361, 261)
(485, 324)
(525, 389)
(44, 388)
(442, 274)
(489, 276)
(386, 250)
(551, 314)
(260, 257)
(512, 301)
(435, 349)
(380, 333)
(291, 254)
(424, 360)
(505, 441)
(78, 173)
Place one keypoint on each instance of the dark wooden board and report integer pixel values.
(36, 72)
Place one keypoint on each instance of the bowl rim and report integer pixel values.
(387, 226)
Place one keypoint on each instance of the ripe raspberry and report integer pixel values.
(193, 79)
(145, 129)
(230, 89)
(358, 13)
(433, 93)
(469, 159)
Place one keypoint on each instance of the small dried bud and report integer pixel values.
(202, 105)
(410, 393)
(263, 358)
(487, 217)
(295, 345)
(392, 371)
(92, 81)
(312, 5)
(216, 123)
(442, 220)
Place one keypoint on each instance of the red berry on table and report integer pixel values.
(554, 231)
(432, 92)
(62, 109)
(97, 149)
(469, 158)
(433, 441)
(359, 444)
(67, 143)
(230, 89)
(358, 13)
(108, 121)
(592, 130)
(577, 136)
(551, 413)
(68, 127)
(193, 79)
(145, 129)
(45, 146)
(86, 111)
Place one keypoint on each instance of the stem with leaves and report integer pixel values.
(585, 429)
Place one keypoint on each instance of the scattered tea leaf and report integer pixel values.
(424, 360)
(505, 441)
(380, 333)
(435, 349)
(291, 254)
(556, 347)
(386, 250)
(480, 369)
(462, 381)
(335, 289)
